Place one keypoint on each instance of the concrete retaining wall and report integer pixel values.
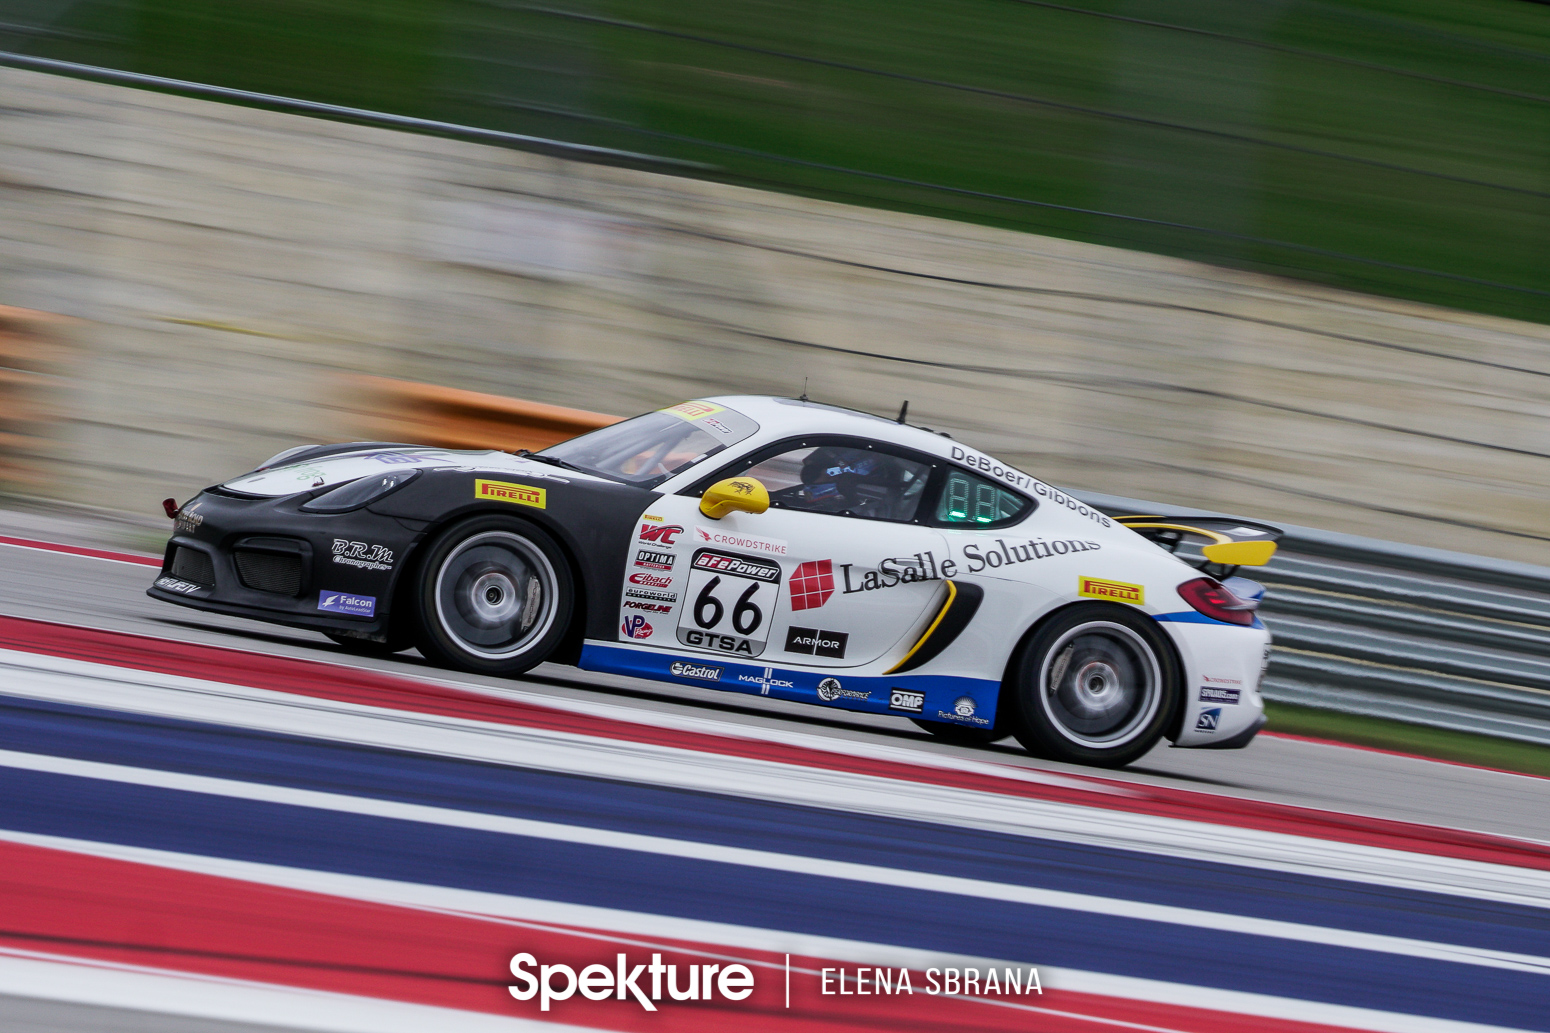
(233, 266)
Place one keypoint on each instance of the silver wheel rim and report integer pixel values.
(496, 595)
(1100, 684)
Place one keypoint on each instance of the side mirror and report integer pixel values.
(735, 494)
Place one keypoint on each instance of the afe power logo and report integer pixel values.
(517, 494)
(1118, 591)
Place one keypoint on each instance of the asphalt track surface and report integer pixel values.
(96, 593)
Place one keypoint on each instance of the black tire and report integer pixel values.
(495, 596)
(1096, 685)
(396, 643)
(962, 735)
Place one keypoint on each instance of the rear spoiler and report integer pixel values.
(1227, 543)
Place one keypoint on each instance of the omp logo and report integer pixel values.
(661, 535)
(909, 702)
(1119, 591)
(1208, 720)
(503, 491)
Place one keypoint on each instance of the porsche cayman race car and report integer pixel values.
(772, 546)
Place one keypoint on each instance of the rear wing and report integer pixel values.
(1227, 543)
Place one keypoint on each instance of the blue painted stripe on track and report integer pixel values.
(609, 877)
(195, 748)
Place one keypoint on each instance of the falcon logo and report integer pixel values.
(664, 534)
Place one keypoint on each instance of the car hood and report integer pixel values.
(338, 469)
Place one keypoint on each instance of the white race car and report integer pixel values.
(772, 546)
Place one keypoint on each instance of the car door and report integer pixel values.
(836, 573)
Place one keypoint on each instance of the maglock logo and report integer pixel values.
(599, 982)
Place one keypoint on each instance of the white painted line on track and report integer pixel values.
(60, 977)
(813, 866)
(81, 552)
(630, 928)
(97, 685)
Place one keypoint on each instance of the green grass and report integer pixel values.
(1484, 750)
(1460, 88)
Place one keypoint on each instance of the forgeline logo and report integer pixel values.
(1119, 591)
(504, 491)
(599, 982)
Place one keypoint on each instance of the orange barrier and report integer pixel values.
(32, 354)
(425, 414)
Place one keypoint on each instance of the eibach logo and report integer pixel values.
(650, 580)
(663, 535)
(635, 626)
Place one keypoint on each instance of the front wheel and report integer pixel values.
(495, 596)
(1097, 685)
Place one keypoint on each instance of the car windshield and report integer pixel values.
(649, 449)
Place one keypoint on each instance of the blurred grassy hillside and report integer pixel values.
(1394, 146)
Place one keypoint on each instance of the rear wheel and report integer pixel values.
(1096, 685)
(495, 596)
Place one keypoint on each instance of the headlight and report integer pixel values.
(360, 492)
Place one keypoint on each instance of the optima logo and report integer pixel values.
(504, 491)
(599, 982)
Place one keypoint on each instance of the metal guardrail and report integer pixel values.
(1414, 634)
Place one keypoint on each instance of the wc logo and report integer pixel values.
(599, 982)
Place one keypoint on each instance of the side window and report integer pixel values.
(843, 481)
(970, 499)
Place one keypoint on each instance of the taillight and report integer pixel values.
(1210, 597)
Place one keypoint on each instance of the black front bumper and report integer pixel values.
(310, 562)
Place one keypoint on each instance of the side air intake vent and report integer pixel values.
(193, 566)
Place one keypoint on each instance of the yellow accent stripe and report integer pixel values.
(952, 593)
(1218, 539)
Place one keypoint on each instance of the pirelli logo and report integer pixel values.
(503, 491)
(1117, 591)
